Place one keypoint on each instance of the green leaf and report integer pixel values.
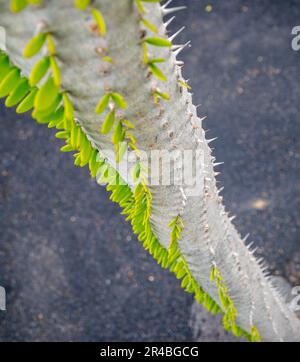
(62, 135)
(9, 82)
(223, 298)
(212, 275)
(46, 95)
(28, 102)
(181, 272)
(4, 66)
(57, 117)
(51, 45)
(82, 4)
(157, 72)
(173, 222)
(156, 60)
(34, 2)
(77, 159)
(45, 113)
(119, 100)
(121, 150)
(255, 335)
(86, 149)
(108, 60)
(74, 135)
(67, 148)
(118, 134)
(69, 109)
(34, 45)
(184, 84)
(39, 70)
(102, 174)
(135, 172)
(99, 21)
(149, 25)
(18, 93)
(159, 42)
(140, 6)
(164, 96)
(55, 70)
(108, 122)
(102, 105)
(93, 164)
(17, 5)
(185, 281)
(127, 123)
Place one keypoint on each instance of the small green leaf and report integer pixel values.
(9, 82)
(127, 123)
(34, 45)
(108, 60)
(102, 105)
(145, 53)
(131, 137)
(39, 70)
(121, 149)
(118, 134)
(159, 42)
(62, 135)
(82, 4)
(164, 96)
(185, 281)
(255, 335)
(108, 122)
(99, 21)
(135, 172)
(28, 102)
(181, 272)
(140, 6)
(4, 66)
(48, 112)
(157, 72)
(67, 148)
(34, 2)
(156, 60)
(119, 100)
(51, 45)
(184, 84)
(69, 109)
(17, 5)
(57, 117)
(77, 159)
(173, 222)
(46, 95)
(93, 165)
(212, 274)
(55, 70)
(149, 25)
(18, 93)
(86, 149)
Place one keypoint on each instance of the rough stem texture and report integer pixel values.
(209, 236)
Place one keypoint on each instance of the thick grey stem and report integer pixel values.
(209, 236)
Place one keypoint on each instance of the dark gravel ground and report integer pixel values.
(70, 265)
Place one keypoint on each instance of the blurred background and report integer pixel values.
(70, 265)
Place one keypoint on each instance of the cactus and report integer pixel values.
(106, 75)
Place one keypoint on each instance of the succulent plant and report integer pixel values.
(106, 75)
